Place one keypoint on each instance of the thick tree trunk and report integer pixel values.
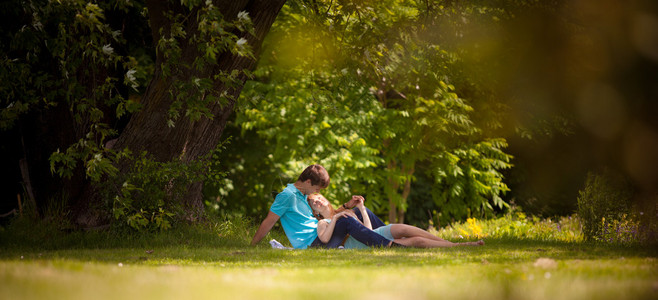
(187, 140)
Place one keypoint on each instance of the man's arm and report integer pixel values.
(265, 227)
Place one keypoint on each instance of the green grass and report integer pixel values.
(213, 262)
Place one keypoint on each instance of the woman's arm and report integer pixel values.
(364, 215)
(326, 230)
(357, 201)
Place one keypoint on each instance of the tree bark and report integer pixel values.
(147, 129)
(392, 208)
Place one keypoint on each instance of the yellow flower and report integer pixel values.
(474, 227)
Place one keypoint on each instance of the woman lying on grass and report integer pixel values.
(403, 234)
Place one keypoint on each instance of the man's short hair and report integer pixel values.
(317, 174)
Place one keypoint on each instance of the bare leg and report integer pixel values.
(421, 242)
(406, 231)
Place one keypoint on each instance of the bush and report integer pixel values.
(25, 233)
(606, 196)
(515, 224)
(608, 213)
(150, 197)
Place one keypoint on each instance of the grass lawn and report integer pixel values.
(502, 269)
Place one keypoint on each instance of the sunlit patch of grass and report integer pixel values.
(300, 275)
(215, 262)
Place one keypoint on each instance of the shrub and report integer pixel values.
(150, 196)
(609, 214)
(515, 224)
(606, 196)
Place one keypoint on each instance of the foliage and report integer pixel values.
(360, 89)
(143, 204)
(84, 64)
(26, 234)
(606, 195)
(248, 188)
(622, 229)
(213, 35)
(64, 55)
(297, 133)
(606, 208)
(516, 225)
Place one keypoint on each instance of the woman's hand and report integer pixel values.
(362, 209)
(359, 203)
(356, 201)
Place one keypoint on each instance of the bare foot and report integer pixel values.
(478, 243)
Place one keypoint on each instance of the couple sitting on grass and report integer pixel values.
(309, 220)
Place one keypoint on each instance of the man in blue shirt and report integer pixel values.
(299, 224)
(296, 216)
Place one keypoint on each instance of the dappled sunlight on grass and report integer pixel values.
(194, 264)
(502, 269)
(285, 279)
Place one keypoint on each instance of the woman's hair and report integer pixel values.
(319, 216)
(317, 174)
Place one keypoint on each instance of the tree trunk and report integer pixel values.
(392, 211)
(147, 129)
(392, 208)
(406, 190)
(395, 213)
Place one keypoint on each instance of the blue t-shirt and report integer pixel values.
(296, 217)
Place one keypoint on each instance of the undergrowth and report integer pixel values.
(25, 234)
(229, 231)
(518, 225)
